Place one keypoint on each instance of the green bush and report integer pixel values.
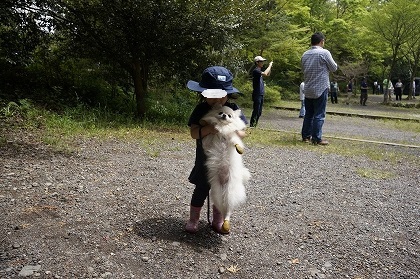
(291, 95)
(244, 84)
(22, 108)
(170, 104)
(272, 94)
(10, 110)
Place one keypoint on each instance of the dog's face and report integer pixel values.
(224, 114)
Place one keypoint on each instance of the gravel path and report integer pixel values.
(117, 209)
(381, 130)
(341, 126)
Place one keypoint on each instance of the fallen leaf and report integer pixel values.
(294, 261)
(233, 268)
(316, 223)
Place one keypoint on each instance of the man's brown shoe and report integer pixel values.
(322, 142)
(307, 140)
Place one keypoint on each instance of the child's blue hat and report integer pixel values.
(215, 77)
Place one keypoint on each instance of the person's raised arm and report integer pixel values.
(267, 71)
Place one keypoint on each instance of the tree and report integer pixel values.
(411, 49)
(141, 35)
(277, 36)
(412, 54)
(20, 35)
(394, 23)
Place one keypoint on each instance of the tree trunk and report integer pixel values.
(140, 74)
(412, 93)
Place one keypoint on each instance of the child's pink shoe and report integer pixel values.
(218, 224)
(192, 223)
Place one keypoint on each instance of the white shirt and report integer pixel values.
(302, 91)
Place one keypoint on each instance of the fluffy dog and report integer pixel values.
(226, 171)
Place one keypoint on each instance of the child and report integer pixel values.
(302, 99)
(349, 91)
(215, 88)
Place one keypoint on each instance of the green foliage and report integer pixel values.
(140, 34)
(170, 104)
(273, 92)
(290, 93)
(21, 108)
(20, 35)
(78, 118)
(10, 110)
(91, 57)
(244, 85)
(393, 22)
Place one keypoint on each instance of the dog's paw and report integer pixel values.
(239, 149)
(225, 227)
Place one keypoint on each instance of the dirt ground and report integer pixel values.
(117, 209)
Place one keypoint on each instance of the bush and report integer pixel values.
(244, 84)
(170, 104)
(10, 110)
(272, 94)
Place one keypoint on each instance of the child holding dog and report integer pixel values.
(215, 88)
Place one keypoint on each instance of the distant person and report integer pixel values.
(334, 91)
(374, 87)
(317, 63)
(388, 88)
(349, 91)
(258, 89)
(302, 99)
(363, 92)
(414, 89)
(398, 90)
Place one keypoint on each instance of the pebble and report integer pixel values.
(315, 273)
(255, 243)
(29, 270)
(106, 274)
(328, 264)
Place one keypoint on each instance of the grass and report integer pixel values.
(354, 108)
(409, 126)
(375, 174)
(62, 132)
(266, 137)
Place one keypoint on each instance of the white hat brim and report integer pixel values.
(214, 93)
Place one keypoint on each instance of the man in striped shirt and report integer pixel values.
(317, 63)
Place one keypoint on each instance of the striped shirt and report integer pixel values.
(317, 62)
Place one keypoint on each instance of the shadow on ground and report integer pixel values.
(172, 229)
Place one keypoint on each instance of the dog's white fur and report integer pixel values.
(226, 171)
